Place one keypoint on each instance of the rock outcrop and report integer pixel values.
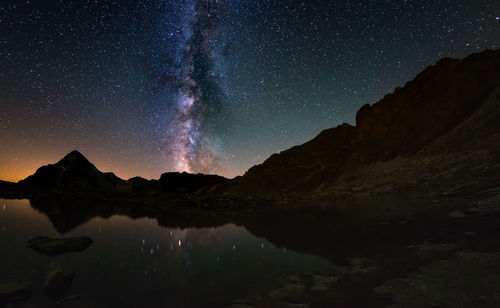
(397, 130)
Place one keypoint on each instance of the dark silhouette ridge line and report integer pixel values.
(393, 134)
(401, 125)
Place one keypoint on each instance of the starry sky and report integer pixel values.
(212, 86)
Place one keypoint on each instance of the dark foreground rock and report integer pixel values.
(11, 291)
(469, 280)
(67, 299)
(54, 247)
(57, 284)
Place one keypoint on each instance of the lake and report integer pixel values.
(138, 263)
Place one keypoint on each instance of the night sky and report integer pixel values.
(213, 86)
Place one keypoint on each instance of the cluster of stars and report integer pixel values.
(111, 78)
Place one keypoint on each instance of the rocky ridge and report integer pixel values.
(411, 139)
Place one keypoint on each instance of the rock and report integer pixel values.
(295, 285)
(428, 249)
(54, 247)
(438, 104)
(457, 214)
(247, 302)
(57, 283)
(469, 280)
(323, 282)
(68, 299)
(14, 290)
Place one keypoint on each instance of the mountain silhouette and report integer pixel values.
(419, 136)
(439, 133)
(74, 172)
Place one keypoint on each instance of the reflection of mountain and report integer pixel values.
(370, 241)
(337, 231)
(67, 214)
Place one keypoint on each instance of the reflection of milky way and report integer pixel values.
(189, 144)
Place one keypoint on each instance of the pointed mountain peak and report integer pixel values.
(74, 155)
(75, 160)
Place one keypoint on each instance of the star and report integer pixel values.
(213, 86)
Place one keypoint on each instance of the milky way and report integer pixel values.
(143, 87)
(189, 143)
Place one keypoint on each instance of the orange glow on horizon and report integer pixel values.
(16, 169)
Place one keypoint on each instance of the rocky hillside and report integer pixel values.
(439, 131)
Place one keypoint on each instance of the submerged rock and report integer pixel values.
(14, 291)
(57, 283)
(54, 247)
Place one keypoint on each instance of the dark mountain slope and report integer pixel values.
(74, 173)
(175, 182)
(397, 127)
(464, 161)
(437, 134)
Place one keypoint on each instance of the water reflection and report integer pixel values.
(183, 258)
(65, 215)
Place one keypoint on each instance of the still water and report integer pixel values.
(137, 263)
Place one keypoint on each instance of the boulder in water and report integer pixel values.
(54, 247)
